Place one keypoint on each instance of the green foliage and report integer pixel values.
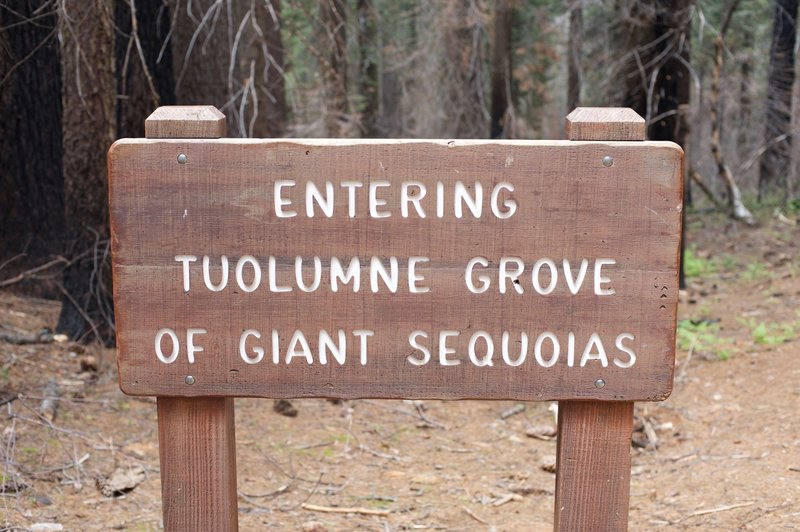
(793, 207)
(755, 271)
(764, 333)
(695, 266)
(702, 336)
(729, 263)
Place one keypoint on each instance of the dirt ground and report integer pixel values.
(722, 453)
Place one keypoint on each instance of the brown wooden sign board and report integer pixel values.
(519, 270)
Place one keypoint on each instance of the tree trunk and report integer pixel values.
(391, 120)
(672, 88)
(464, 69)
(632, 31)
(394, 45)
(259, 76)
(272, 84)
(501, 70)
(145, 79)
(31, 176)
(369, 50)
(737, 209)
(745, 81)
(775, 162)
(202, 37)
(334, 73)
(653, 77)
(650, 73)
(89, 128)
(574, 53)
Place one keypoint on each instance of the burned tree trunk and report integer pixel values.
(652, 74)
(632, 30)
(672, 87)
(272, 83)
(333, 16)
(89, 128)
(145, 79)
(501, 70)
(574, 51)
(256, 85)
(201, 53)
(31, 177)
(745, 82)
(775, 162)
(368, 50)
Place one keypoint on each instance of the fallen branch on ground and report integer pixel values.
(720, 509)
(343, 510)
(474, 516)
(45, 336)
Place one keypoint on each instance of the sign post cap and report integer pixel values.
(605, 123)
(185, 121)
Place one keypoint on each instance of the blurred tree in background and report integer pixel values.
(776, 159)
(716, 77)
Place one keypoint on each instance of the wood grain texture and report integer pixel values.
(593, 457)
(197, 452)
(185, 121)
(605, 123)
(196, 437)
(570, 206)
(593, 466)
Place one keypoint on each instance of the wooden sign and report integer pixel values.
(417, 269)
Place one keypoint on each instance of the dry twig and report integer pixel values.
(724, 508)
(33, 271)
(344, 510)
(512, 411)
(474, 516)
(425, 418)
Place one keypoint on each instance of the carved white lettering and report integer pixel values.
(173, 356)
(185, 260)
(426, 353)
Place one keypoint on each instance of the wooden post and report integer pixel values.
(593, 464)
(196, 437)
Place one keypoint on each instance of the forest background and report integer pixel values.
(715, 76)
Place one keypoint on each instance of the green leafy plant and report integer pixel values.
(695, 266)
(793, 207)
(702, 336)
(771, 333)
(754, 271)
(729, 263)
